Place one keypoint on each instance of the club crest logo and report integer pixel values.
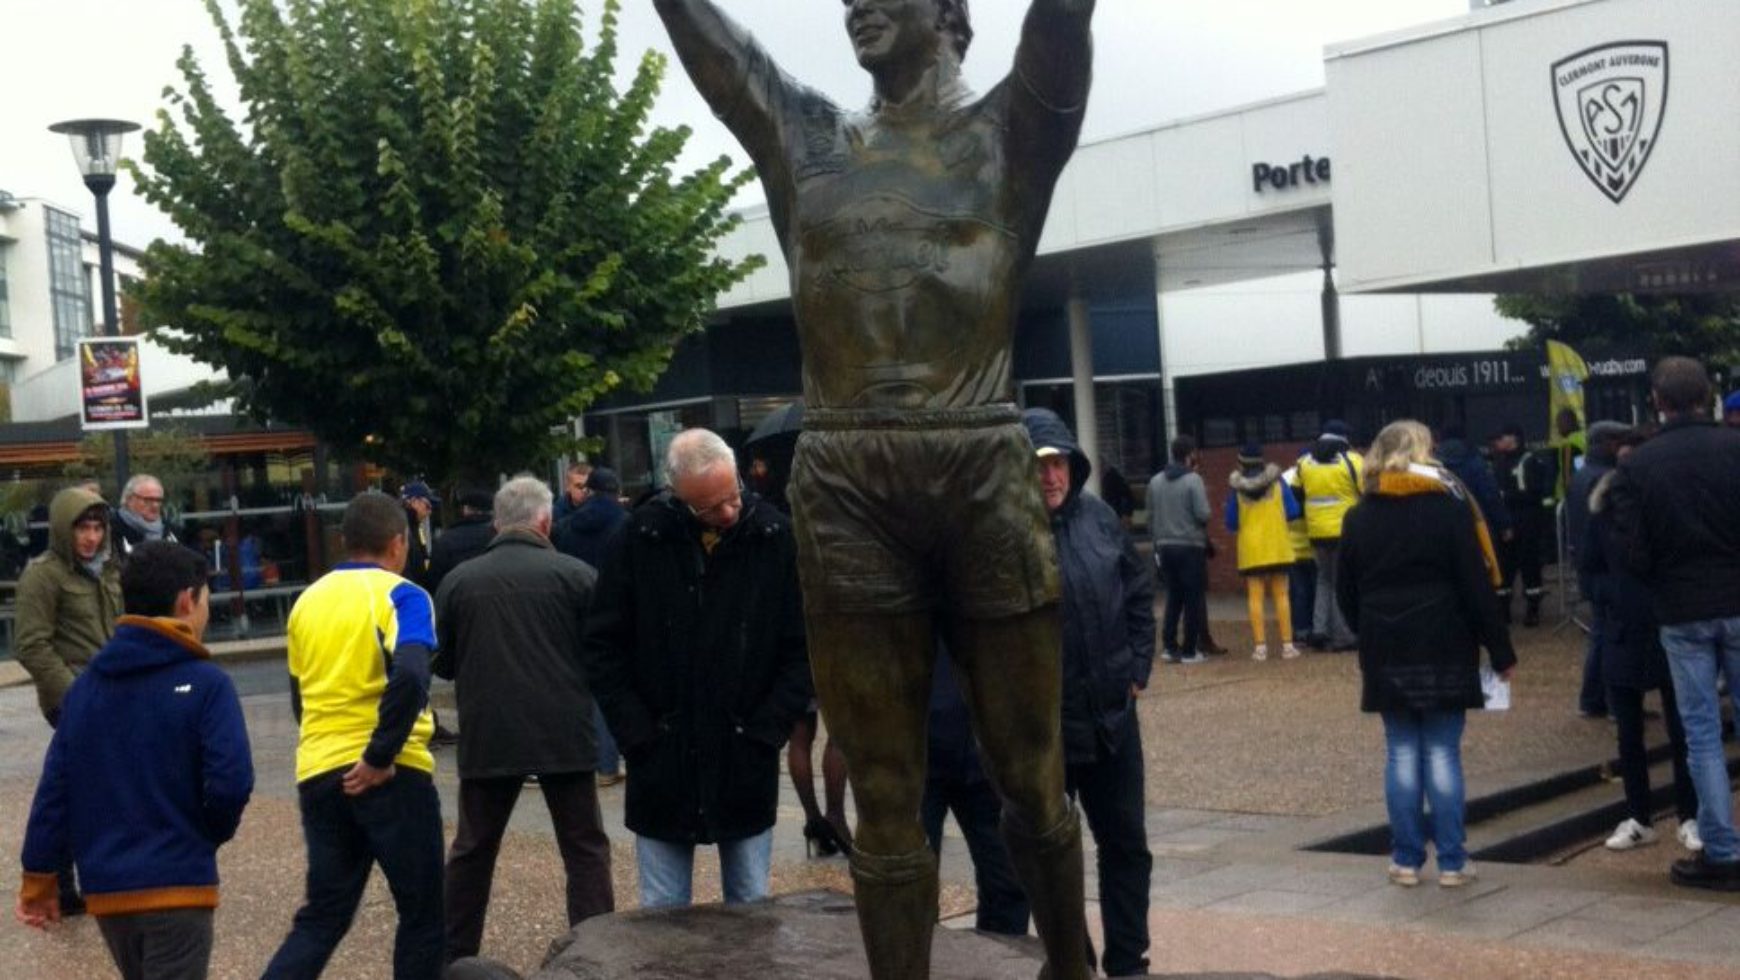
(1611, 100)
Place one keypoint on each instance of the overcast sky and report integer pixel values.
(1157, 60)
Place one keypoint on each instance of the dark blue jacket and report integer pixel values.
(588, 528)
(1476, 474)
(147, 774)
(1108, 606)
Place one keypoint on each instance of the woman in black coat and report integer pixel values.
(1633, 663)
(1417, 583)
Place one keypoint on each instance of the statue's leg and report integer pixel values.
(1013, 683)
(873, 676)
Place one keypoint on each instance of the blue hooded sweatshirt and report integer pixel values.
(148, 772)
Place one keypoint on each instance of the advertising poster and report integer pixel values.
(111, 395)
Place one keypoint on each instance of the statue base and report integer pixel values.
(812, 935)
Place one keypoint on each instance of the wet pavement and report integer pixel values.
(1246, 762)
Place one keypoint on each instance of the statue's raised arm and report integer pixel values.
(740, 82)
(1055, 59)
(1053, 72)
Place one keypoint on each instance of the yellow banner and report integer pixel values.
(1566, 373)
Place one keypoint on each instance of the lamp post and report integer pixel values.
(96, 146)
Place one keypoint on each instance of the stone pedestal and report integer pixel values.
(807, 936)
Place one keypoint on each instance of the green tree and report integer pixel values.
(1705, 325)
(170, 453)
(439, 230)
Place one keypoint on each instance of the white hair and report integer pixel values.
(695, 451)
(524, 501)
(139, 480)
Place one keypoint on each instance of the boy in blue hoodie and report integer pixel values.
(147, 775)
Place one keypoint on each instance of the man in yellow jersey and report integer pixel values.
(360, 642)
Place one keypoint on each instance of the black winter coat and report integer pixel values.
(1627, 635)
(1476, 474)
(458, 544)
(1108, 606)
(1676, 508)
(1415, 587)
(586, 530)
(699, 663)
(511, 623)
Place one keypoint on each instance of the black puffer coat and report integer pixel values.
(1108, 606)
(1676, 505)
(1416, 588)
(1630, 638)
(699, 662)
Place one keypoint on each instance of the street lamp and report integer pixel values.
(96, 146)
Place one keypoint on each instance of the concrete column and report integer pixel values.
(1168, 393)
(1331, 296)
(1081, 363)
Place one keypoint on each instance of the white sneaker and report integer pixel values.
(1261, 652)
(1456, 879)
(1630, 834)
(1406, 877)
(1289, 651)
(1688, 835)
(1193, 657)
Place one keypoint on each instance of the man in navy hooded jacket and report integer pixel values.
(147, 775)
(1108, 656)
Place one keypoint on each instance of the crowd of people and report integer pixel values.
(674, 633)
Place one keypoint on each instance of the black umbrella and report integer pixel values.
(786, 421)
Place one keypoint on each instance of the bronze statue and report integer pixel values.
(908, 228)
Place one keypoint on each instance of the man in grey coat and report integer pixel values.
(1178, 522)
(510, 623)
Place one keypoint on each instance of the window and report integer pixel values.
(5, 303)
(68, 287)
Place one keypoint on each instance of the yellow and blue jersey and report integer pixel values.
(343, 633)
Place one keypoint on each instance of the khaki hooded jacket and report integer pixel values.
(65, 614)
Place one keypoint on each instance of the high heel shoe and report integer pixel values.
(819, 838)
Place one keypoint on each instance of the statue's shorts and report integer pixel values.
(909, 511)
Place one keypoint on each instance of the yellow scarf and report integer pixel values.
(1422, 479)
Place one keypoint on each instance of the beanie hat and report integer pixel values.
(1251, 454)
(1336, 429)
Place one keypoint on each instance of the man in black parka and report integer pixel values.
(695, 645)
(1108, 655)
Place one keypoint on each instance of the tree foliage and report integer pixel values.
(1705, 326)
(439, 230)
(170, 453)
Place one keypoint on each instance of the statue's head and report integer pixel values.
(892, 31)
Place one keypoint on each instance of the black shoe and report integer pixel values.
(443, 736)
(1699, 871)
(72, 904)
(819, 838)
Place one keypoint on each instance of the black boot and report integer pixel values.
(1048, 865)
(1532, 614)
(896, 899)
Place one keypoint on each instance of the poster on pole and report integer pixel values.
(111, 394)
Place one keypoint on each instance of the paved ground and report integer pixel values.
(1245, 762)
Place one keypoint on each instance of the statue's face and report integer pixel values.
(893, 31)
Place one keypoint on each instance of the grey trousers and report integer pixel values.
(170, 945)
(1326, 619)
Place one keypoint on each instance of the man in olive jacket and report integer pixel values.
(510, 623)
(68, 599)
(695, 645)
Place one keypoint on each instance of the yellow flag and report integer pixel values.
(1566, 373)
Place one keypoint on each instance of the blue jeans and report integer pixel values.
(609, 759)
(1425, 768)
(1696, 653)
(667, 870)
(1302, 593)
(396, 825)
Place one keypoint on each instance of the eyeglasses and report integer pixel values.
(153, 501)
(703, 513)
